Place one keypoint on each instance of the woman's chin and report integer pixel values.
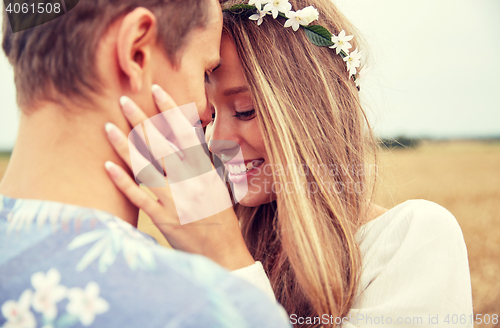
(249, 203)
(255, 200)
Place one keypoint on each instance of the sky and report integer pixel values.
(432, 68)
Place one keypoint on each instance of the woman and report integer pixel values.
(292, 109)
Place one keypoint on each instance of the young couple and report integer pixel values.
(279, 102)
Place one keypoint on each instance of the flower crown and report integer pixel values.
(317, 34)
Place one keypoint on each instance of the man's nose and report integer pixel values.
(205, 112)
(205, 116)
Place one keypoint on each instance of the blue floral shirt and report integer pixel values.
(68, 266)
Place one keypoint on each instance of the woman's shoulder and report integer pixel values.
(416, 221)
(414, 260)
(415, 213)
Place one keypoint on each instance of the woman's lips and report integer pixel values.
(238, 173)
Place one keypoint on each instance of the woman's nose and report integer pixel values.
(226, 150)
(223, 140)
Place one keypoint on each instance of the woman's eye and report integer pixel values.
(245, 116)
(207, 78)
(213, 117)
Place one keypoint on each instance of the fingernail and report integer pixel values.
(112, 169)
(112, 131)
(159, 94)
(127, 105)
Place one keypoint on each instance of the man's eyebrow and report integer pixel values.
(234, 91)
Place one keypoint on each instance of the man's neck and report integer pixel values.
(59, 156)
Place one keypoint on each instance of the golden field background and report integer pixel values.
(464, 177)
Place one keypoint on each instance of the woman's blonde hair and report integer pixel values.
(315, 128)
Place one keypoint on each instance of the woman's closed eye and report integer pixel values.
(246, 115)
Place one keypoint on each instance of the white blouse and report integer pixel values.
(415, 272)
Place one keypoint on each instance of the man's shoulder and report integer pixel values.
(75, 256)
(89, 242)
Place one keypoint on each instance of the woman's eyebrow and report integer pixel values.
(236, 90)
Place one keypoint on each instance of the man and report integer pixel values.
(67, 258)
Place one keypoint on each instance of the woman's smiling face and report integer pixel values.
(234, 120)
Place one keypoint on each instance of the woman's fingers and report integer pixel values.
(147, 131)
(128, 152)
(144, 170)
(163, 216)
(178, 120)
(133, 113)
(119, 142)
(131, 190)
(163, 100)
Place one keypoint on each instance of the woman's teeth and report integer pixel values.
(242, 168)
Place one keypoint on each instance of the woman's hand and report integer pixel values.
(190, 194)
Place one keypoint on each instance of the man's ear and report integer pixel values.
(136, 37)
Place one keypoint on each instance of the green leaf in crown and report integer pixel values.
(241, 7)
(319, 35)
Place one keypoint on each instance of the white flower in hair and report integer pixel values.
(258, 3)
(277, 6)
(302, 17)
(353, 61)
(341, 42)
(317, 34)
(259, 16)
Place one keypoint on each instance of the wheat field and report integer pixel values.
(462, 176)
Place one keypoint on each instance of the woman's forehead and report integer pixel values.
(231, 70)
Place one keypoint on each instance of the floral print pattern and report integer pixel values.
(64, 266)
(18, 313)
(84, 304)
(48, 293)
(120, 237)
